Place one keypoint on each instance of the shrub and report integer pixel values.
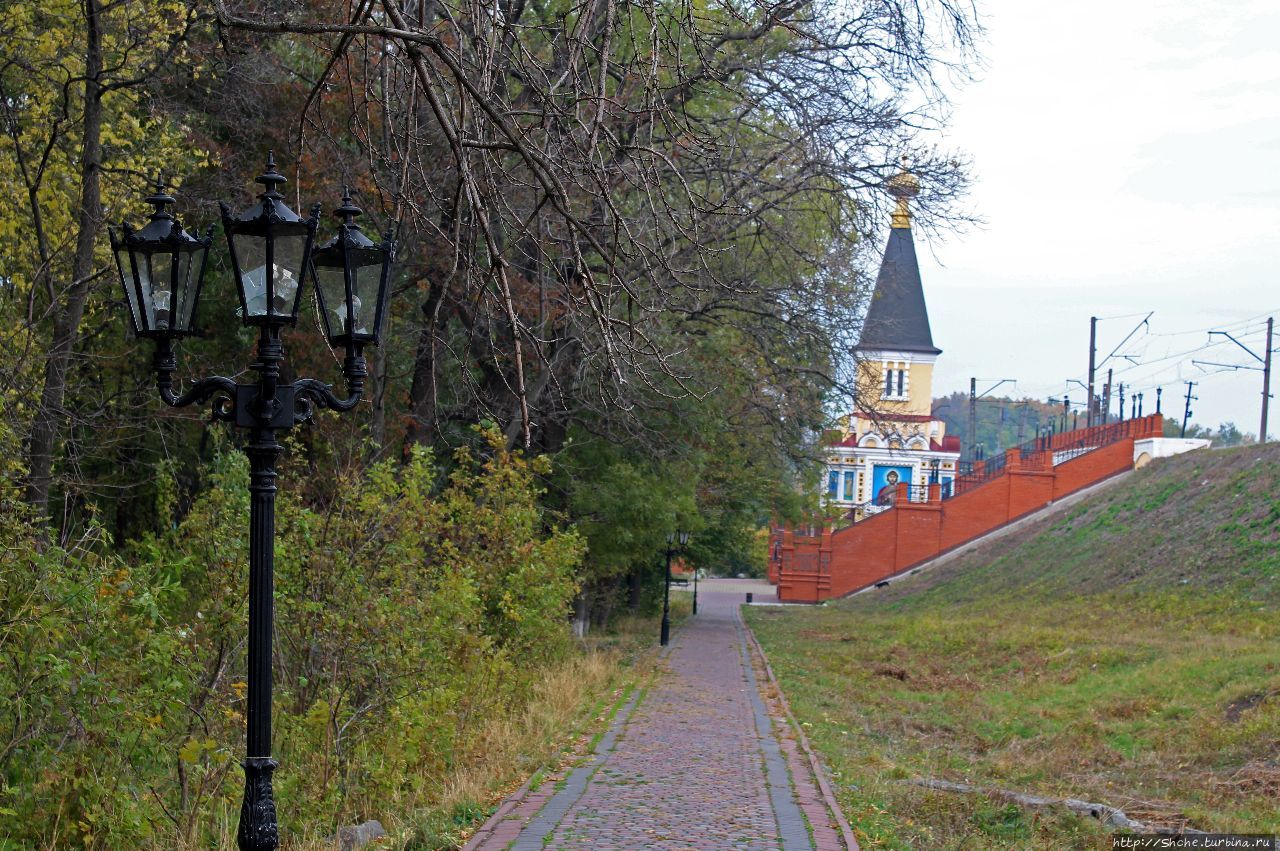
(408, 610)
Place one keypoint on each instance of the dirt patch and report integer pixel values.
(1241, 705)
(1160, 815)
(890, 671)
(1257, 778)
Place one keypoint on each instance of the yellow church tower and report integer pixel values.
(891, 436)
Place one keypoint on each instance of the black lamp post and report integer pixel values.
(695, 589)
(161, 268)
(683, 537)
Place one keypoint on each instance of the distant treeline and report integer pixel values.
(1002, 422)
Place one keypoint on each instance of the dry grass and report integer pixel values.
(572, 703)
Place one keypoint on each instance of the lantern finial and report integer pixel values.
(271, 178)
(348, 210)
(160, 199)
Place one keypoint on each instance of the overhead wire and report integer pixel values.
(1173, 359)
(1178, 361)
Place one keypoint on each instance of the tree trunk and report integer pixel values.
(66, 323)
(633, 591)
(422, 389)
(581, 615)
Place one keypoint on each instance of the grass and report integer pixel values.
(1125, 653)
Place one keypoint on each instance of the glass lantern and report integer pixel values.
(161, 268)
(351, 273)
(270, 246)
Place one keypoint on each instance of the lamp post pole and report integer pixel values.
(258, 826)
(161, 268)
(674, 538)
(695, 589)
(665, 634)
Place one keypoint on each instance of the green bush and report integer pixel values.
(408, 609)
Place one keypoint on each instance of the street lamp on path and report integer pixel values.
(672, 537)
(695, 589)
(161, 268)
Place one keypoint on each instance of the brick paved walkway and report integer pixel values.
(694, 763)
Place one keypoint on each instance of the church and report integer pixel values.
(891, 436)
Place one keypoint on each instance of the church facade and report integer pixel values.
(891, 435)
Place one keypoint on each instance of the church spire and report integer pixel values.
(897, 320)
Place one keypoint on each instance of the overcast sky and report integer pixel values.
(1127, 159)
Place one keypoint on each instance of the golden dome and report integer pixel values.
(904, 184)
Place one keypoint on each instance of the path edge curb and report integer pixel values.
(815, 766)
(513, 801)
(508, 804)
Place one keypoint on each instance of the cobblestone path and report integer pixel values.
(694, 763)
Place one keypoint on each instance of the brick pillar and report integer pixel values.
(918, 532)
(824, 563)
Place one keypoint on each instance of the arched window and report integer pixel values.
(895, 381)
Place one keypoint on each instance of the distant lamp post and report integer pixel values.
(161, 269)
(695, 589)
(672, 538)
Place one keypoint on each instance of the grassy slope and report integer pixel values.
(1124, 652)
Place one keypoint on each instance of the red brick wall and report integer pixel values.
(1091, 468)
(833, 565)
(974, 513)
(859, 553)
(919, 528)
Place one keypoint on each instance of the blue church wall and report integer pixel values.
(833, 485)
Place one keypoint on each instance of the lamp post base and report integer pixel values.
(258, 829)
(666, 630)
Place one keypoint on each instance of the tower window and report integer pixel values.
(895, 383)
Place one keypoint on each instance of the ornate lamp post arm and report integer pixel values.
(221, 390)
(317, 394)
